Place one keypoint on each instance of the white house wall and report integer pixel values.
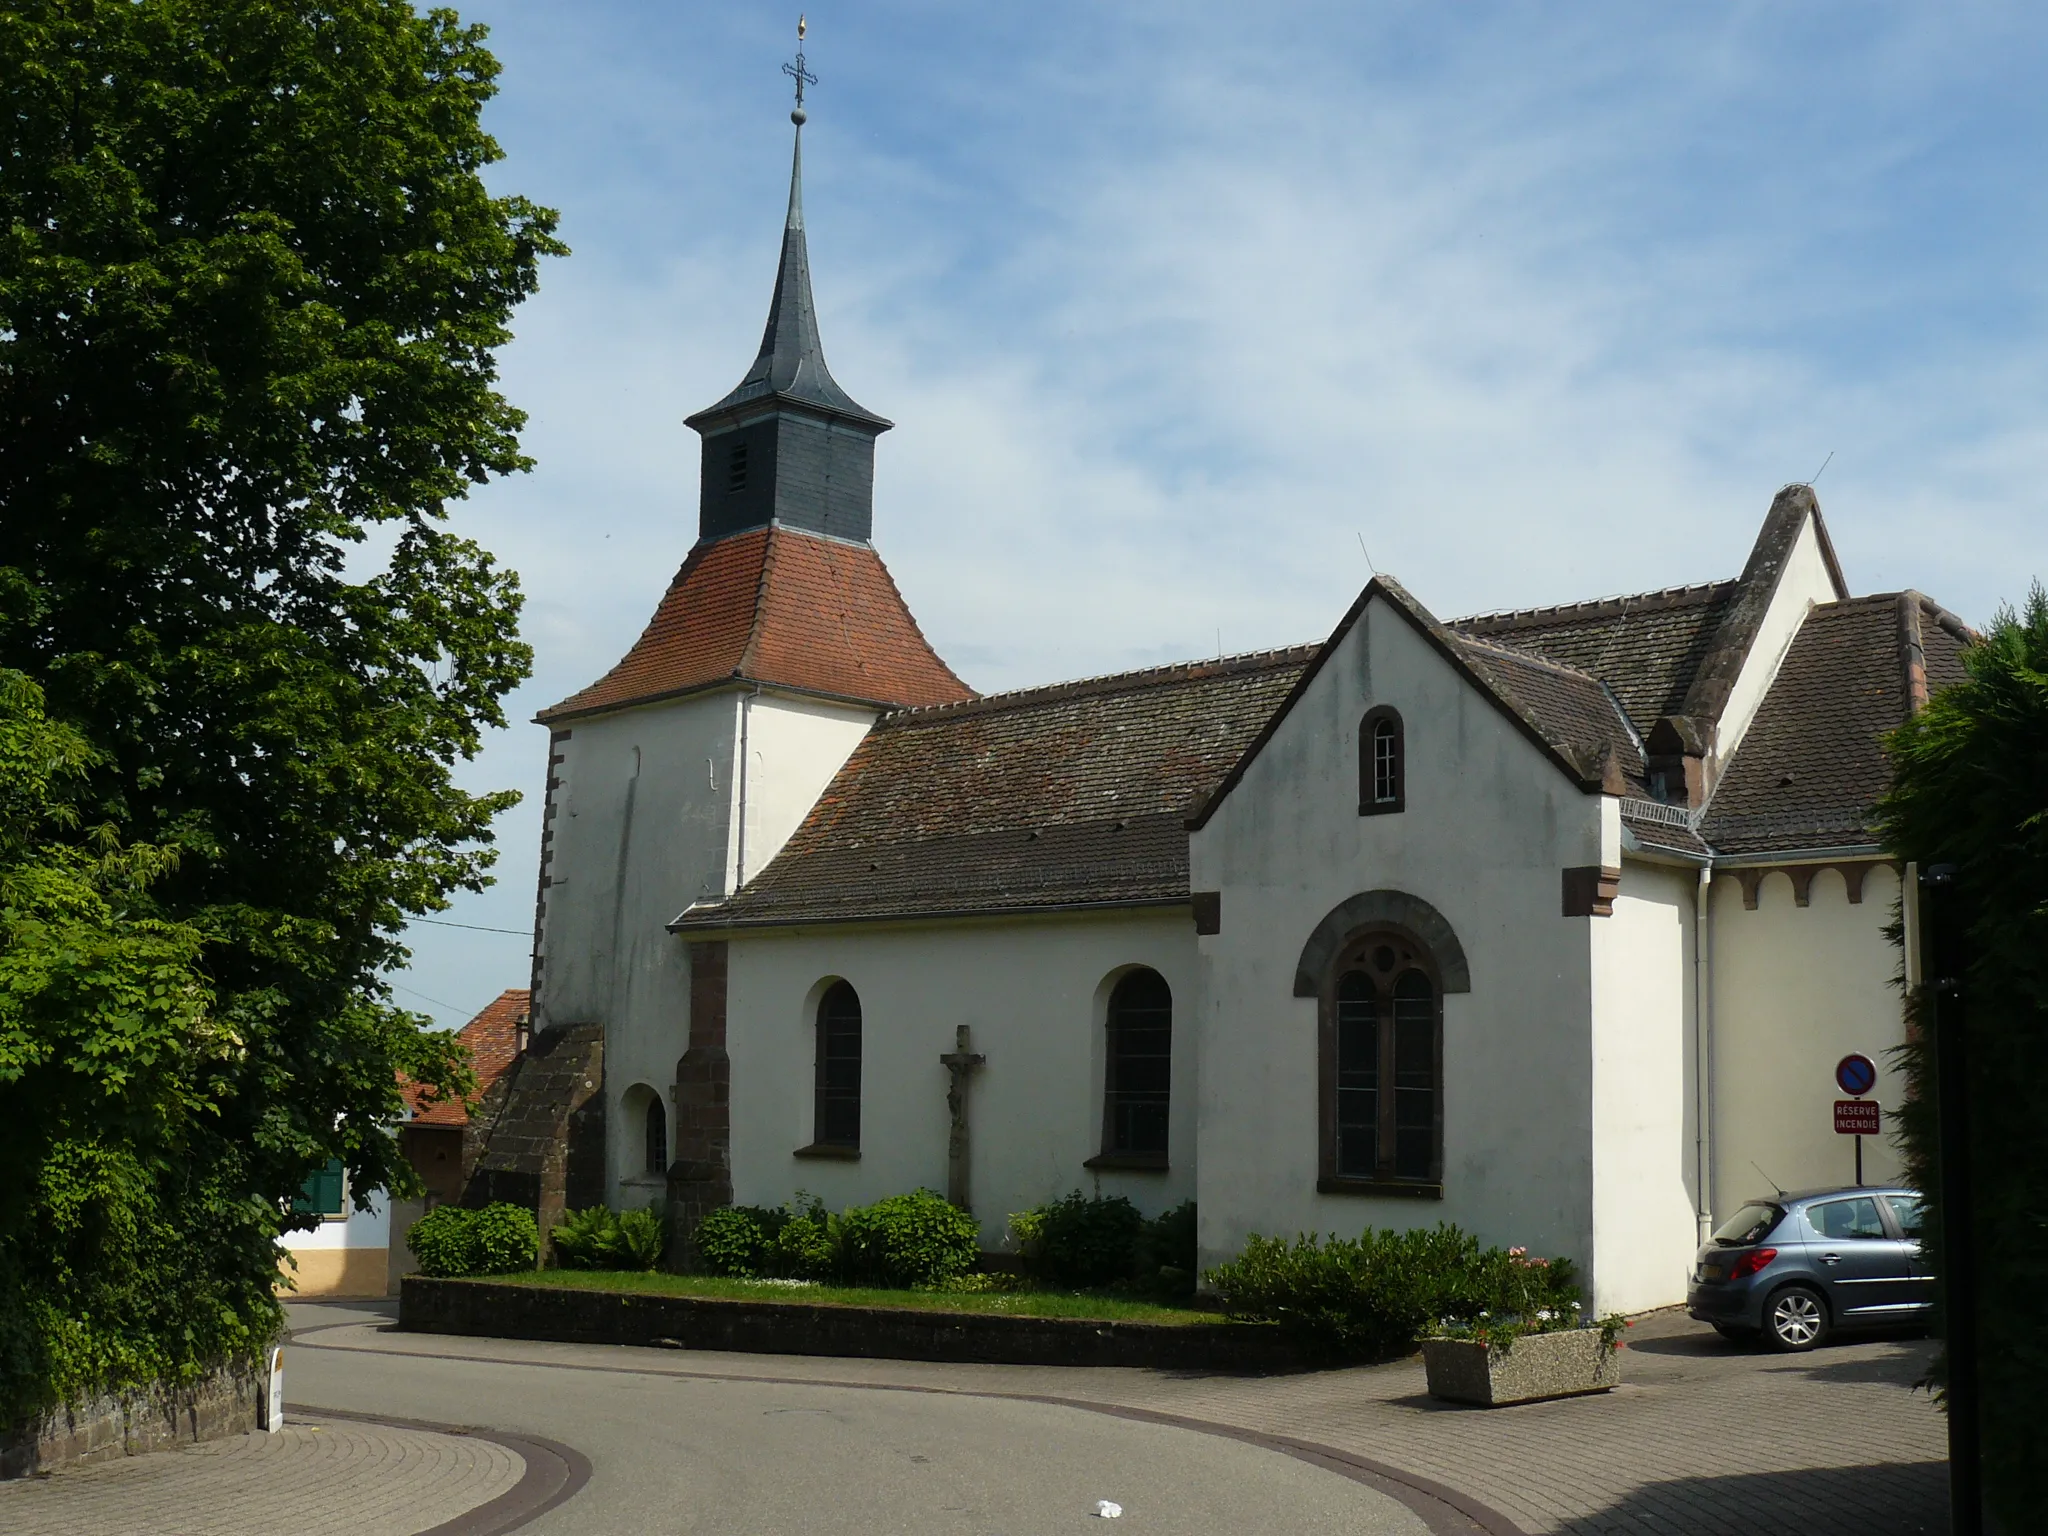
(1034, 993)
(1488, 827)
(1644, 1164)
(1795, 989)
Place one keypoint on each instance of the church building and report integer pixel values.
(1551, 923)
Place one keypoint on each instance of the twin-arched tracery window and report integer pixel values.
(837, 1118)
(1382, 1064)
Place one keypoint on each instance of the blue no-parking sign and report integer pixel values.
(1856, 1074)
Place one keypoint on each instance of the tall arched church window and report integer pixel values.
(1382, 1066)
(838, 1082)
(656, 1130)
(1138, 1080)
(1382, 762)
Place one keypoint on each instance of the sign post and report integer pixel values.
(1858, 1117)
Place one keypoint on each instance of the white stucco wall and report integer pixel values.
(1488, 827)
(358, 1229)
(1032, 990)
(654, 815)
(1795, 989)
(794, 747)
(643, 828)
(1803, 582)
(1644, 1222)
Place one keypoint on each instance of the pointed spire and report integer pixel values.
(791, 364)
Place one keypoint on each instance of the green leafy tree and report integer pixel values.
(251, 286)
(1970, 788)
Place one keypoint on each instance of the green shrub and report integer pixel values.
(1166, 1251)
(584, 1239)
(497, 1240)
(599, 1238)
(1375, 1294)
(805, 1242)
(737, 1240)
(905, 1240)
(641, 1240)
(1075, 1243)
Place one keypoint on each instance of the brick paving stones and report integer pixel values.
(316, 1477)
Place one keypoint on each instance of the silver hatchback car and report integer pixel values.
(1797, 1267)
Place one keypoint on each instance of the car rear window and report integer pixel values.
(1751, 1224)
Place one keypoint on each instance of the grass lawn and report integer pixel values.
(1087, 1304)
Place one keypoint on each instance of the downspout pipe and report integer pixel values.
(1703, 1052)
(741, 784)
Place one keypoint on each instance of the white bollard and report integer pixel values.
(273, 1417)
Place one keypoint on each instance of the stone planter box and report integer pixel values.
(228, 1401)
(1534, 1367)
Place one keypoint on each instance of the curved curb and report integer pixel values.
(1445, 1510)
(555, 1473)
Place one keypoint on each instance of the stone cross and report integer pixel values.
(958, 1062)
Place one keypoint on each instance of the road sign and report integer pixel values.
(1856, 1073)
(1858, 1117)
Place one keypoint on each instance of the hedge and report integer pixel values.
(1970, 788)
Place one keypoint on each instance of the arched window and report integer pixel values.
(1138, 1080)
(657, 1135)
(1382, 762)
(1382, 1069)
(838, 1082)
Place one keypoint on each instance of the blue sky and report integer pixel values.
(1174, 306)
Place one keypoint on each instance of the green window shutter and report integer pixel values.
(322, 1194)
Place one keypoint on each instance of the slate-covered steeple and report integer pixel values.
(788, 445)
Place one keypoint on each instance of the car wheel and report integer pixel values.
(1795, 1320)
(1735, 1335)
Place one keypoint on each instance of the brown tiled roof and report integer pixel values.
(1646, 647)
(1573, 710)
(783, 607)
(493, 1041)
(1810, 766)
(1061, 797)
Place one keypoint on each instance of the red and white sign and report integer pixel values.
(1858, 1117)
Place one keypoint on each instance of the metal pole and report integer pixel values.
(1859, 1162)
(1946, 963)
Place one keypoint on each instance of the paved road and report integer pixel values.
(1701, 1436)
(673, 1453)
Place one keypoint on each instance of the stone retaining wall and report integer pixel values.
(494, 1309)
(228, 1402)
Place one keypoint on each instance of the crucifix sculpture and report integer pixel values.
(958, 1062)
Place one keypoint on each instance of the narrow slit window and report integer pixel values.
(657, 1136)
(1358, 1076)
(736, 469)
(838, 1081)
(1382, 765)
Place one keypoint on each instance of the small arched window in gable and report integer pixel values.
(656, 1131)
(838, 1080)
(1138, 1080)
(1382, 762)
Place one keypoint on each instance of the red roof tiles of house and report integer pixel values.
(782, 607)
(493, 1041)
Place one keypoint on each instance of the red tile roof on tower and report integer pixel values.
(782, 607)
(493, 1041)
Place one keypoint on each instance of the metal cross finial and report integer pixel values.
(802, 76)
